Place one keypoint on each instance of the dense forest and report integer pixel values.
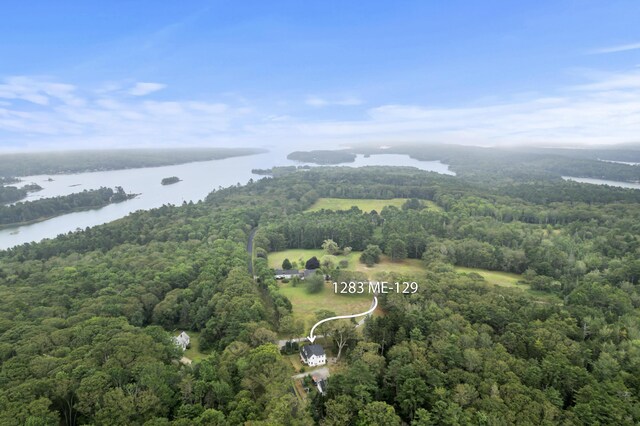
(86, 319)
(29, 211)
(26, 164)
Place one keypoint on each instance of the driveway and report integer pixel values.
(320, 373)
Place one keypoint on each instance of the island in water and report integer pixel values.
(170, 180)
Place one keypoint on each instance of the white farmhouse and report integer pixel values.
(313, 355)
(182, 340)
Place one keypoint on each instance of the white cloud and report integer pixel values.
(142, 89)
(604, 111)
(624, 81)
(316, 101)
(615, 49)
(37, 91)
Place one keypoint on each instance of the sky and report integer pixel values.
(143, 73)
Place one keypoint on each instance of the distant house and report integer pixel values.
(183, 340)
(287, 273)
(313, 355)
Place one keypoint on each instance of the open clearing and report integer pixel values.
(509, 280)
(366, 205)
(302, 255)
(403, 267)
(193, 353)
(305, 305)
(502, 279)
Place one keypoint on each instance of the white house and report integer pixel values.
(182, 340)
(313, 355)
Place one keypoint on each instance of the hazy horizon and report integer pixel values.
(33, 150)
(552, 74)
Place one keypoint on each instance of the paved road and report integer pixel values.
(320, 373)
(250, 249)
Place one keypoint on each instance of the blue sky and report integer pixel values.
(78, 74)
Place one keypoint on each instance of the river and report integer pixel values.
(198, 180)
(619, 184)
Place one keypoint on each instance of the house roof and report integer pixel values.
(182, 338)
(310, 350)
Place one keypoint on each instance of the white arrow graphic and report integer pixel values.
(312, 338)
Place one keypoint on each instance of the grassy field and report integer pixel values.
(277, 257)
(366, 205)
(305, 305)
(502, 279)
(407, 266)
(404, 267)
(347, 203)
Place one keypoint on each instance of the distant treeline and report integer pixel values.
(5, 180)
(323, 157)
(278, 170)
(31, 211)
(25, 164)
(491, 165)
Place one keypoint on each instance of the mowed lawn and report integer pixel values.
(306, 305)
(347, 203)
(405, 267)
(277, 257)
(366, 205)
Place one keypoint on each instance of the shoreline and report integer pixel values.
(76, 210)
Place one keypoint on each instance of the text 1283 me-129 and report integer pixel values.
(374, 287)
